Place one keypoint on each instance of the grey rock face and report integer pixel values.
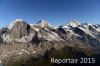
(20, 29)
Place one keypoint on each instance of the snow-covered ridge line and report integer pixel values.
(43, 23)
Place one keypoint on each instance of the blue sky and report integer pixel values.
(57, 12)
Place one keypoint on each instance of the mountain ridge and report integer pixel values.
(24, 39)
(22, 28)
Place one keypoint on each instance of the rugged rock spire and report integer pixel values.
(43, 23)
(74, 23)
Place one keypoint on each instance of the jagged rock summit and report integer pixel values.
(10, 26)
(74, 23)
(43, 23)
(19, 28)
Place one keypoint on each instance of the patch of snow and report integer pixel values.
(44, 36)
(36, 29)
(25, 51)
(11, 25)
(98, 25)
(6, 38)
(31, 24)
(52, 37)
(72, 33)
(34, 52)
(55, 34)
(55, 27)
(85, 26)
(19, 20)
(65, 26)
(87, 31)
(46, 29)
(5, 55)
(98, 29)
(92, 26)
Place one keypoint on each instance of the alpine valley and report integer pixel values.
(23, 44)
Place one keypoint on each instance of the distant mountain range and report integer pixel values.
(20, 38)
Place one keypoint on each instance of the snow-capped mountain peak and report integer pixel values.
(19, 20)
(43, 23)
(74, 23)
